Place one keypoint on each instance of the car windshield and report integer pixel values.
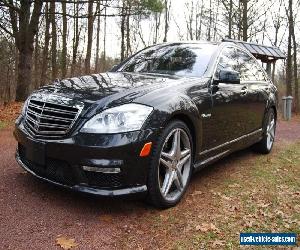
(175, 59)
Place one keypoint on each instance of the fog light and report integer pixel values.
(102, 170)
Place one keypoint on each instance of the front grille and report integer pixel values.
(49, 119)
(103, 180)
(54, 170)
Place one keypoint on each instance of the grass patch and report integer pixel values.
(261, 196)
(264, 199)
(3, 124)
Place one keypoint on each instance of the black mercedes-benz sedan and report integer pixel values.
(151, 122)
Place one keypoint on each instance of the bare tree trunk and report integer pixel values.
(240, 20)
(36, 62)
(210, 21)
(289, 90)
(189, 21)
(264, 31)
(76, 36)
(201, 21)
(295, 71)
(277, 26)
(230, 19)
(54, 40)
(24, 73)
(24, 21)
(46, 48)
(15, 76)
(245, 19)
(128, 13)
(97, 46)
(123, 19)
(196, 22)
(90, 38)
(216, 20)
(64, 40)
(157, 24)
(166, 20)
(104, 38)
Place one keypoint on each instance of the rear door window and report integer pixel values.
(249, 68)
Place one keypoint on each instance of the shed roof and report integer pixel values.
(261, 52)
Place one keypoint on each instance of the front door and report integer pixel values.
(227, 121)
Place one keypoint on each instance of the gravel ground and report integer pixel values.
(34, 214)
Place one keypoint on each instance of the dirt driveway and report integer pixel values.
(34, 214)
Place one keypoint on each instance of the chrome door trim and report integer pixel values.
(230, 142)
(210, 159)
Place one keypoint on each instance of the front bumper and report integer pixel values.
(86, 189)
(61, 162)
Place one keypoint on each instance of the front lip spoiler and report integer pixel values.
(84, 189)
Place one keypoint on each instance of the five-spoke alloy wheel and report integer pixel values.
(269, 129)
(172, 165)
(175, 164)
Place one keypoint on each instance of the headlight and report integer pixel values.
(125, 118)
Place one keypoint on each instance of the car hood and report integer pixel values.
(94, 87)
(109, 89)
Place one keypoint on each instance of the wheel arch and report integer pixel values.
(271, 106)
(193, 128)
(275, 111)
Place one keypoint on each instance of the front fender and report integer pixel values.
(178, 106)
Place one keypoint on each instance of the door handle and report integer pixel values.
(206, 115)
(244, 90)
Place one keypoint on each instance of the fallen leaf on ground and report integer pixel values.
(204, 227)
(218, 243)
(263, 205)
(106, 218)
(279, 213)
(234, 185)
(248, 220)
(234, 208)
(225, 197)
(197, 193)
(10, 112)
(65, 243)
(288, 160)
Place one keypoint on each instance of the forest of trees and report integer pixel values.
(42, 40)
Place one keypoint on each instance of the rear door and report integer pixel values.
(256, 85)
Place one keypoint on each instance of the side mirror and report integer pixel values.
(228, 76)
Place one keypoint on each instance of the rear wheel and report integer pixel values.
(171, 166)
(266, 144)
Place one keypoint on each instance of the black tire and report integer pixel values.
(263, 146)
(155, 196)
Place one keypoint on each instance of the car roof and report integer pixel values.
(190, 42)
(262, 52)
